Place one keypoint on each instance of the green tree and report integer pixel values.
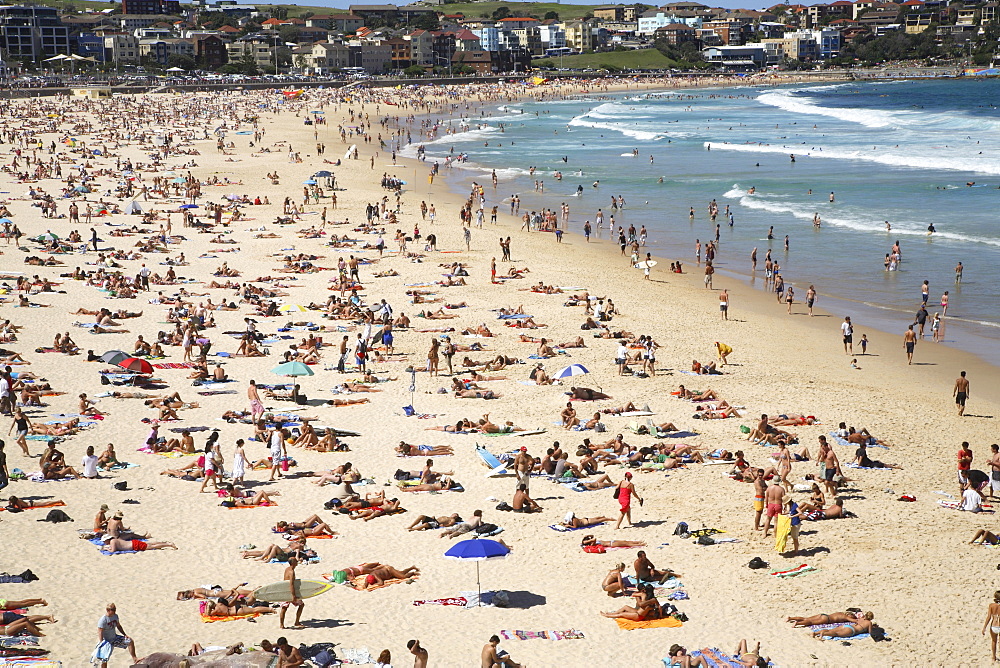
(551, 15)
(501, 12)
(414, 71)
(289, 33)
(427, 21)
(182, 61)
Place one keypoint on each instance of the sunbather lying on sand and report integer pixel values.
(861, 624)
(121, 545)
(311, 526)
(201, 593)
(586, 394)
(477, 394)
(408, 450)
(574, 522)
(590, 540)
(442, 485)
(389, 507)
(425, 522)
(381, 573)
(832, 618)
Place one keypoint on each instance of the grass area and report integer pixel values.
(536, 9)
(642, 59)
(471, 9)
(75, 5)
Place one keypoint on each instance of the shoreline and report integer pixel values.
(825, 324)
(881, 315)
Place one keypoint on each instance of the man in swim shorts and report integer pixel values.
(774, 497)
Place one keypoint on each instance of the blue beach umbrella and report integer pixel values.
(477, 549)
(292, 369)
(571, 370)
(309, 182)
(322, 173)
(189, 206)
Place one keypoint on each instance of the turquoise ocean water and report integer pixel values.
(902, 152)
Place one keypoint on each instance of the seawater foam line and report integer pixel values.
(908, 158)
(859, 223)
(916, 121)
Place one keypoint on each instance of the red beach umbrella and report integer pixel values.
(136, 365)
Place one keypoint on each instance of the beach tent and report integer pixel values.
(133, 207)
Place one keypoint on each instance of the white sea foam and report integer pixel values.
(788, 101)
(635, 133)
(849, 219)
(927, 158)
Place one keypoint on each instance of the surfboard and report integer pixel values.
(278, 592)
(645, 264)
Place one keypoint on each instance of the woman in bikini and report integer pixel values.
(861, 624)
(312, 526)
(646, 607)
(832, 618)
(993, 622)
(590, 540)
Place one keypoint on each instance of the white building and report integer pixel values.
(653, 20)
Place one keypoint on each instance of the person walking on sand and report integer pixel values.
(724, 304)
(256, 406)
(110, 635)
(961, 392)
(848, 330)
(289, 577)
(624, 492)
(993, 623)
(909, 343)
(276, 440)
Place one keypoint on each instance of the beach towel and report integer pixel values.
(782, 529)
(821, 627)
(715, 658)
(175, 365)
(954, 505)
(212, 393)
(667, 623)
(100, 547)
(208, 619)
(405, 484)
(172, 454)
(51, 504)
(845, 442)
(798, 570)
(559, 527)
(571, 634)
(457, 601)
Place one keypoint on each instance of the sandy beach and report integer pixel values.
(887, 559)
